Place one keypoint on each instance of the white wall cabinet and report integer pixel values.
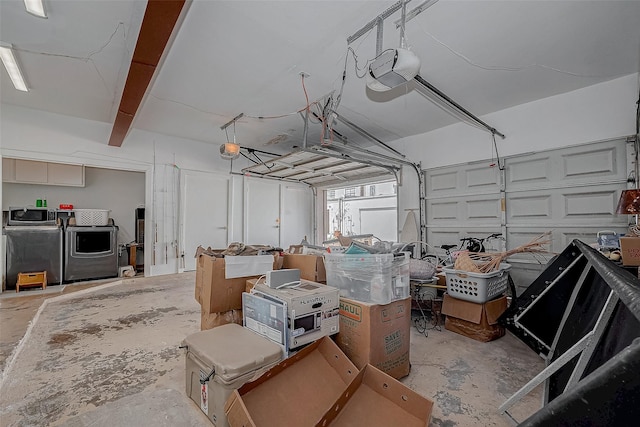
(34, 172)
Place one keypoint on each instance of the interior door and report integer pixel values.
(204, 214)
(297, 215)
(262, 212)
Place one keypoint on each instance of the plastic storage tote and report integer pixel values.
(370, 278)
(222, 359)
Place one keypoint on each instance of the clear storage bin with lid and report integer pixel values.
(371, 278)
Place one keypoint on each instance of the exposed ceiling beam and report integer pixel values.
(160, 19)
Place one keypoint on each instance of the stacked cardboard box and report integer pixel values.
(630, 248)
(473, 320)
(221, 281)
(378, 335)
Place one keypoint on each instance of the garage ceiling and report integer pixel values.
(232, 57)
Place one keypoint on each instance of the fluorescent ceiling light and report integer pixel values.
(35, 7)
(10, 63)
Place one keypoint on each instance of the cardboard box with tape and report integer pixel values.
(473, 320)
(378, 335)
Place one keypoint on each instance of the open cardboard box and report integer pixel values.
(311, 266)
(297, 391)
(319, 386)
(374, 399)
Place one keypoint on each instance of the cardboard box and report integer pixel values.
(477, 321)
(378, 335)
(218, 290)
(311, 266)
(298, 391)
(212, 320)
(251, 283)
(373, 399)
(630, 248)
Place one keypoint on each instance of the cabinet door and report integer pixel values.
(59, 174)
(8, 170)
(30, 171)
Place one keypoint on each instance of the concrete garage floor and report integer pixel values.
(108, 355)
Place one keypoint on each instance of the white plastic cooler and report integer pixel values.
(222, 359)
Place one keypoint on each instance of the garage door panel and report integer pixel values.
(443, 210)
(560, 239)
(464, 179)
(564, 206)
(442, 181)
(592, 164)
(528, 171)
(443, 237)
(482, 177)
(483, 209)
(520, 236)
(529, 207)
(595, 204)
(452, 236)
(466, 211)
(572, 192)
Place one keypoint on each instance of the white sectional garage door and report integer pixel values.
(572, 192)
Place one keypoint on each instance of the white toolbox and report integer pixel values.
(222, 359)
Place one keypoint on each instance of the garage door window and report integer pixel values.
(366, 209)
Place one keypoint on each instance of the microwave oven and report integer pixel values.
(31, 216)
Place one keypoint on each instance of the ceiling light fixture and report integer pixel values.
(11, 65)
(230, 150)
(35, 7)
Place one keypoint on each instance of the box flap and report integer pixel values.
(494, 309)
(465, 310)
(232, 350)
(375, 399)
(311, 266)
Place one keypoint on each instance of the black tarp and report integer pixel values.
(608, 393)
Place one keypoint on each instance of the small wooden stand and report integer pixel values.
(28, 280)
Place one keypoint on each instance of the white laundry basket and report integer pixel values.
(86, 217)
(476, 287)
